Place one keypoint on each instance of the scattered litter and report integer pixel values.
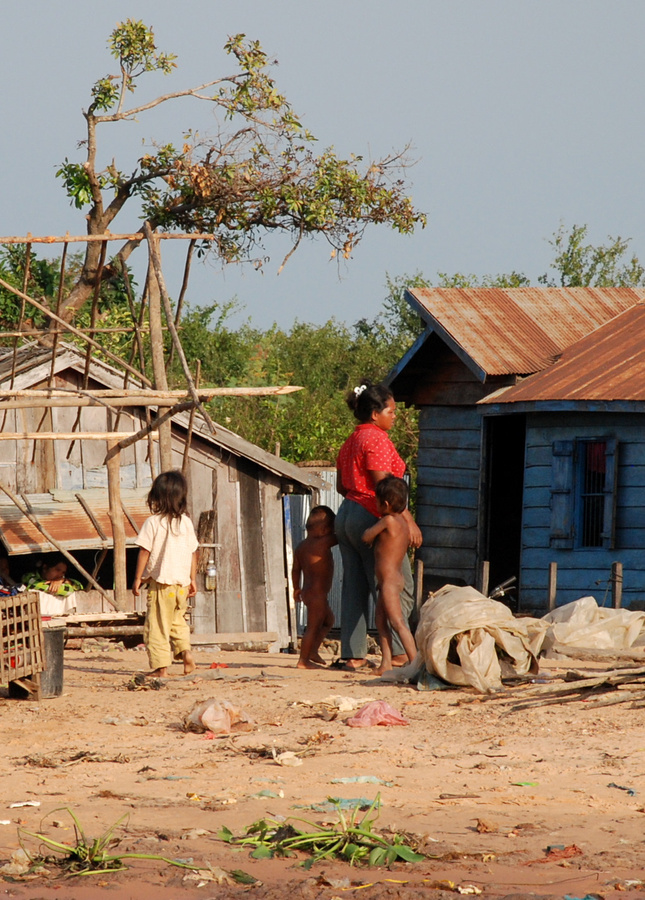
(117, 720)
(288, 758)
(207, 876)
(24, 803)
(620, 787)
(332, 804)
(362, 779)
(143, 682)
(428, 682)
(62, 761)
(5, 821)
(218, 665)
(194, 833)
(218, 718)
(557, 852)
(459, 796)
(468, 889)
(484, 827)
(330, 707)
(378, 712)
(271, 795)
(525, 783)
(19, 864)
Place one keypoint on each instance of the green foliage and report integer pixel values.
(578, 263)
(260, 175)
(85, 856)
(353, 839)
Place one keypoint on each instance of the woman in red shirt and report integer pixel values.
(366, 457)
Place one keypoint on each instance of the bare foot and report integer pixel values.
(400, 660)
(189, 662)
(380, 671)
(158, 673)
(306, 664)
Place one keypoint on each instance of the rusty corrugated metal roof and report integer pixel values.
(507, 331)
(608, 364)
(67, 521)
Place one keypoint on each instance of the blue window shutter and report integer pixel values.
(611, 478)
(561, 535)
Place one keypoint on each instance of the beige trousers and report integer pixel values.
(166, 632)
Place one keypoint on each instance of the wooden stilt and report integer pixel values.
(553, 585)
(118, 526)
(617, 585)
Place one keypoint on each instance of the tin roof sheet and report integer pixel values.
(608, 364)
(519, 331)
(67, 521)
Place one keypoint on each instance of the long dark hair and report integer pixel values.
(368, 398)
(167, 495)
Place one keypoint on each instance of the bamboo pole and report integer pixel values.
(45, 398)
(52, 540)
(69, 435)
(72, 329)
(156, 262)
(148, 429)
(113, 464)
(153, 291)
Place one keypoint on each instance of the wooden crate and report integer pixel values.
(21, 641)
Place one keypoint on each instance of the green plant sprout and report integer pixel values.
(353, 839)
(84, 856)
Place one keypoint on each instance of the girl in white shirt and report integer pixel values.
(168, 563)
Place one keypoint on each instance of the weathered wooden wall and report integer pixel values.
(449, 461)
(580, 569)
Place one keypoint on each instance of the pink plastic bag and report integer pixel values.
(378, 712)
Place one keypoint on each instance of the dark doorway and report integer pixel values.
(505, 442)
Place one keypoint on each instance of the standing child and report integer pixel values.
(168, 562)
(392, 537)
(314, 563)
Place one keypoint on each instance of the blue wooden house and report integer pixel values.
(532, 445)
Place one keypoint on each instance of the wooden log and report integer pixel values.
(83, 631)
(234, 637)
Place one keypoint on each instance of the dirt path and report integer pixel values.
(531, 779)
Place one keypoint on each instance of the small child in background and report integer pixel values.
(391, 539)
(168, 562)
(313, 563)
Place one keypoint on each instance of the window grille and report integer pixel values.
(592, 464)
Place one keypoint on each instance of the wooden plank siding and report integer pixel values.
(580, 568)
(448, 492)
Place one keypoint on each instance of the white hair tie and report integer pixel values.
(359, 390)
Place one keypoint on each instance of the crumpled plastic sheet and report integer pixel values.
(218, 717)
(378, 712)
(460, 636)
(585, 625)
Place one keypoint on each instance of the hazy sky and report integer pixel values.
(522, 114)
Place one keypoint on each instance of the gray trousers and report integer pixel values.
(359, 583)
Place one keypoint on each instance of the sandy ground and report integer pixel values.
(534, 779)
